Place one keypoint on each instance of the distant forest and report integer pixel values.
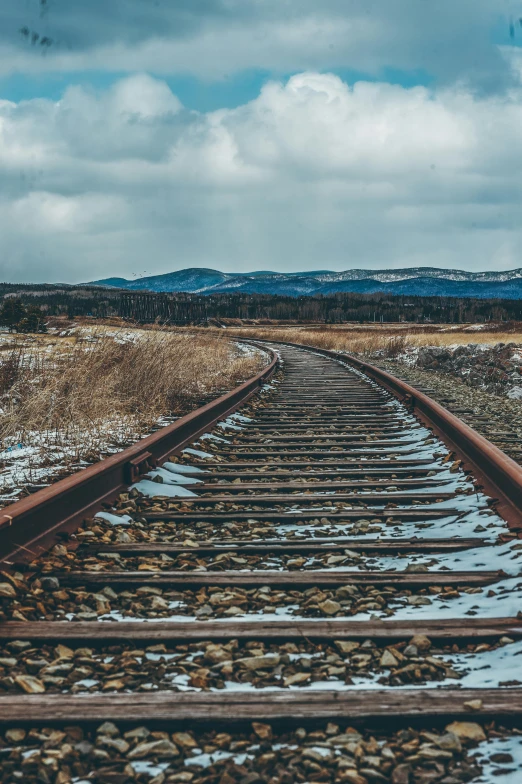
(72, 301)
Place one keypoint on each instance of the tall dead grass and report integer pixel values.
(390, 341)
(111, 387)
(335, 340)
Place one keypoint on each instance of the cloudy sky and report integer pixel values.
(144, 136)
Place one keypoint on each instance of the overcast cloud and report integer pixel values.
(216, 38)
(313, 172)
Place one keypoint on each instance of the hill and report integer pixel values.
(415, 281)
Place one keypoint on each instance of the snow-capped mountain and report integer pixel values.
(194, 279)
(420, 281)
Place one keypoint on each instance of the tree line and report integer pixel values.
(329, 309)
(47, 300)
(18, 317)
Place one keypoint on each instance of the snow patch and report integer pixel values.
(178, 468)
(114, 519)
(173, 478)
(155, 490)
(197, 453)
(490, 770)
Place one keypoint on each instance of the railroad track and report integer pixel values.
(313, 587)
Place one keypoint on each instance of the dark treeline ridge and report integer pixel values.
(180, 308)
(63, 300)
(332, 308)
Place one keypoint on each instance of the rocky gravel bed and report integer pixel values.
(189, 533)
(43, 598)
(228, 560)
(96, 560)
(262, 754)
(367, 521)
(205, 665)
(496, 369)
(251, 529)
(495, 416)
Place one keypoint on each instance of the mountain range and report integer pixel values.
(415, 281)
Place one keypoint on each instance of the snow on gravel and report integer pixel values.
(155, 490)
(451, 527)
(178, 468)
(486, 670)
(505, 772)
(500, 558)
(240, 418)
(212, 437)
(114, 519)
(172, 478)
(503, 599)
(506, 558)
(226, 425)
(197, 453)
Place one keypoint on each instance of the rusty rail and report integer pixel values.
(30, 526)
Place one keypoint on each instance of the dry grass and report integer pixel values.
(454, 338)
(388, 340)
(109, 387)
(364, 342)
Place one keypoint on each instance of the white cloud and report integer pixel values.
(313, 173)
